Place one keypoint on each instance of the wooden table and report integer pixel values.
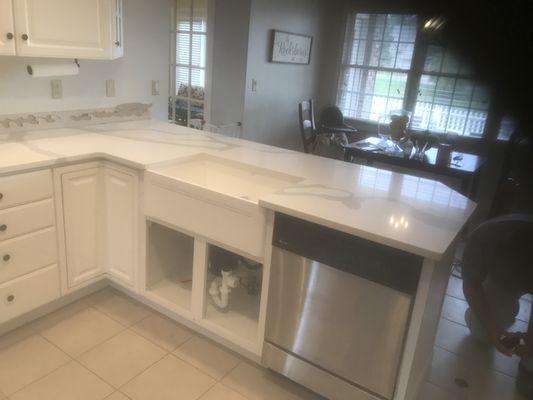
(463, 166)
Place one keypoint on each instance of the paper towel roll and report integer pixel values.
(55, 69)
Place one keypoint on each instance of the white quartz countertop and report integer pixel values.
(414, 214)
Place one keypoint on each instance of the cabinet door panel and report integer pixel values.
(64, 28)
(121, 225)
(82, 220)
(7, 30)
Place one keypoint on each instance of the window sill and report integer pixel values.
(469, 144)
(371, 127)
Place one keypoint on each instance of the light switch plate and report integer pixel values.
(155, 88)
(110, 88)
(254, 85)
(57, 88)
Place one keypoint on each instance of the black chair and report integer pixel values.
(307, 125)
(332, 121)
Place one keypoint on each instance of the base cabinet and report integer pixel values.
(28, 292)
(121, 225)
(29, 276)
(98, 211)
(81, 191)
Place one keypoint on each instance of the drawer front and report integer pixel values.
(28, 292)
(242, 230)
(26, 218)
(25, 188)
(25, 254)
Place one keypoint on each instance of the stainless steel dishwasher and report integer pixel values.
(338, 310)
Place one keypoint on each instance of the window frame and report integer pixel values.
(174, 31)
(392, 70)
(414, 75)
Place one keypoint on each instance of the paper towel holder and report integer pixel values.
(29, 68)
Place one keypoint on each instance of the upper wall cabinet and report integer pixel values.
(7, 28)
(87, 29)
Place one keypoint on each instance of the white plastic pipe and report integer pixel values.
(221, 288)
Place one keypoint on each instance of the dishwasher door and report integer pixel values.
(347, 325)
(334, 319)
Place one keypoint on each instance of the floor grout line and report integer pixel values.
(34, 332)
(70, 359)
(453, 321)
(233, 390)
(465, 358)
(230, 371)
(142, 372)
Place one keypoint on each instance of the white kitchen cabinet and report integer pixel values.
(90, 29)
(7, 28)
(28, 292)
(97, 212)
(82, 219)
(121, 220)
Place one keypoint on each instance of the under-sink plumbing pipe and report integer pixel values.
(221, 288)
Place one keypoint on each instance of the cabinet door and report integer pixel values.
(121, 225)
(82, 201)
(64, 28)
(118, 30)
(7, 30)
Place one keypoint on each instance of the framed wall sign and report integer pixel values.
(290, 48)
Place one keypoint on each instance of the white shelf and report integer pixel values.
(169, 268)
(173, 292)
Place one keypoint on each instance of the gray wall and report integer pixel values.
(270, 113)
(230, 49)
(146, 57)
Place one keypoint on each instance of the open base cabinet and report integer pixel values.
(208, 284)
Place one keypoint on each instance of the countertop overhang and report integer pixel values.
(417, 215)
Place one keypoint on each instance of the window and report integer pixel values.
(377, 57)
(379, 76)
(188, 93)
(448, 99)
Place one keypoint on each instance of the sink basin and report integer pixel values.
(232, 178)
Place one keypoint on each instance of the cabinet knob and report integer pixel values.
(10, 298)
(24, 36)
(117, 43)
(9, 36)
(6, 257)
(3, 228)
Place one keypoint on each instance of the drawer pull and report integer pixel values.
(10, 298)
(1, 195)
(3, 228)
(6, 257)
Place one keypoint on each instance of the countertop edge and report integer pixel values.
(434, 255)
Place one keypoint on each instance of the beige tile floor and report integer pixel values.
(488, 374)
(107, 346)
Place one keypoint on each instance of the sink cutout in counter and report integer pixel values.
(239, 180)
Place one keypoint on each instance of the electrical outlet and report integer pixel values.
(110, 88)
(155, 88)
(57, 88)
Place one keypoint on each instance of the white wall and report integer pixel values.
(230, 48)
(146, 57)
(271, 113)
